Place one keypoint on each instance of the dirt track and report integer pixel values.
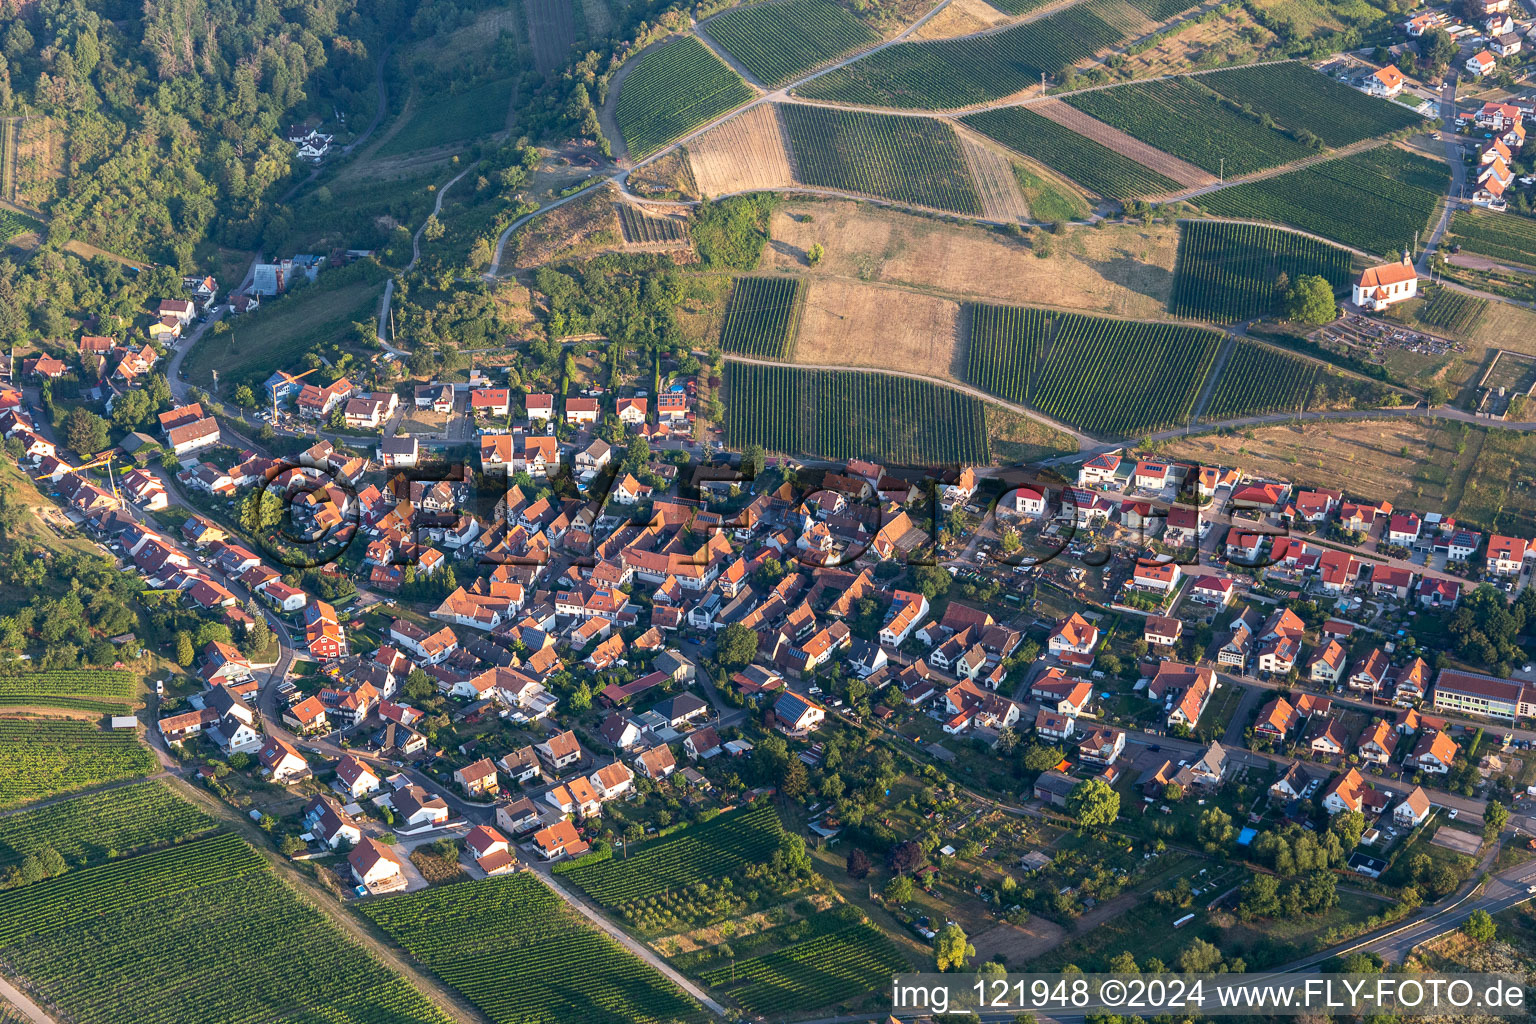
(1184, 173)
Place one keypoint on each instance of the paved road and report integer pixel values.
(389, 286)
(28, 1008)
(179, 387)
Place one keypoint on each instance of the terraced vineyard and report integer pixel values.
(1258, 379)
(1095, 167)
(100, 690)
(101, 826)
(132, 942)
(844, 415)
(1450, 310)
(1117, 378)
(906, 159)
(671, 91)
(839, 957)
(763, 315)
(1229, 272)
(1500, 236)
(1182, 117)
(948, 73)
(48, 757)
(515, 951)
(1304, 100)
(781, 41)
(642, 229)
(1007, 344)
(1373, 201)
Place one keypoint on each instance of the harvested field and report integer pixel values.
(850, 324)
(552, 31)
(961, 18)
(1125, 271)
(1184, 173)
(1001, 199)
(748, 152)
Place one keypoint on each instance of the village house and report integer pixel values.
(477, 780)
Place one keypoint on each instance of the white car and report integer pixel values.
(1531, 889)
(1454, 812)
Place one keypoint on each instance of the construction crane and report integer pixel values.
(106, 458)
(291, 379)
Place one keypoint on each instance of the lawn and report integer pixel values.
(279, 334)
(441, 119)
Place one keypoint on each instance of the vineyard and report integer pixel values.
(949, 73)
(1258, 379)
(99, 690)
(510, 946)
(1117, 377)
(845, 415)
(1230, 272)
(1499, 236)
(13, 224)
(1182, 117)
(101, 826)
(642, 229)
(49, 757)
(763, 316)
(1007, 344)
(1374, 201)
(1095, 167)
(200, 932)
(905, 159)
(1304, 100)
(1451, 311)
(671, 91)
(706, 852)
(779, 42)
(837, 957)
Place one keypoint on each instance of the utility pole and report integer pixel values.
(1221, 176)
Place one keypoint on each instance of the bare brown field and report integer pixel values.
(1091, 127)
(667, 177)
(851, 324)
(590, 222)
(747, 152)
(995, 183)
(1126, 271)
(961, 18)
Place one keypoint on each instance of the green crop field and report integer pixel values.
(671, 91)
(1097, 168)
(906, 159)
(1451, 310)
(443, 119)
(781, 41)
(1230, 272)
(13, 224)
(1182, 117)
(1373, 201)
(100, 690)
(763, 316)
(706, 852)
(1258, 379)
(834, 957)
(100, 826)
(1116, 378)
(1304, 100)
(49, 757)
(514, 950)
(641, 228)
(949, 73)
(1007, 344)
(200, 932)
(1499, 236)
(847, 415)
